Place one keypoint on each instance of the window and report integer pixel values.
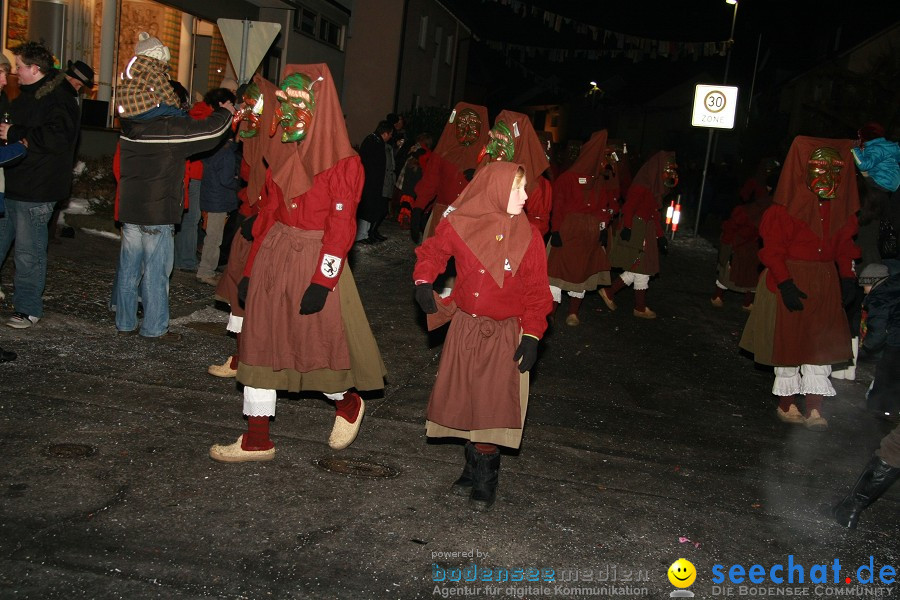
(305, 21)
(423, 32)
(313, 24)
(448, 52)
(330, 33)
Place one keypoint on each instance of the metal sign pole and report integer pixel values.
(703, 182)
(242, 76)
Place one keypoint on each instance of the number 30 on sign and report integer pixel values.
(714, 106)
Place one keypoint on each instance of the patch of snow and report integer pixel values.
(207, 315)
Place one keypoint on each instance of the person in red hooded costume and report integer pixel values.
(513, 139)
(450, 167)
(304, 326)
(256, 112)
(798, 323)
(640, 240)
(584, 207)
(498, 312)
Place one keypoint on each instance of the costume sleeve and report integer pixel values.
(427, 188)
(54, 135)
(866, 158)
(345, 183)
(270, 197)
(846, 249)
(538, 205)
(537, 297)
(432, 255)
(777, 231)
(629, 210)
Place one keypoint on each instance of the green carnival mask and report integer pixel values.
(297, 105)
(251, 111)
(501, 145)
(468, 127)
(823, 172)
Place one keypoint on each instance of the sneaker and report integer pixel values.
(166, 338)
(22, 321)
(792, 416)
(717, 302)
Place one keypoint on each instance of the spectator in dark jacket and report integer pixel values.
(881, 332)
(151, 201)
(218, 193)
(45, 114)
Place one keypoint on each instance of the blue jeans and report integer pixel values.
(186, 238)
(26, 223)
(146, 261)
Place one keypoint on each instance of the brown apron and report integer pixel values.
(330, 351)
(580, 263)
(479, 394)
(639, 254)
(739, 267)
(817, 335)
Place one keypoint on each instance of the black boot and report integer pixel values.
(485, 476)
(463, 485)
(872, 483)
(11, 356)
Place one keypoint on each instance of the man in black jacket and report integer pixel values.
(44, 114)
(151, 202)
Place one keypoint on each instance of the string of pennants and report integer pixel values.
(602, 43)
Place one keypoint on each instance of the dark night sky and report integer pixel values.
(796, 34)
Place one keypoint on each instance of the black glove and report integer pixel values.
(247, 228)
(555, 239)
(604, 236)
(313, 299)
(625, 234)
(791, 295)
(242, 287)
(662, 244)
(425, 298)
(849, 290)
(527, 351)
(469, 174)
(415, 225)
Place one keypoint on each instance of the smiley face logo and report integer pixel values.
(682, 573)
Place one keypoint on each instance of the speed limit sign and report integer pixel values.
(714, 106)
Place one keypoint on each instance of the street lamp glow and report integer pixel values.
(731, 1)
(594, 83)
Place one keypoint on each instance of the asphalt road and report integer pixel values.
(646, 441)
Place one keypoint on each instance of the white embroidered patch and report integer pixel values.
(582, 180)
(506, 265)
(339, 206)
(331, 266)
(449, 210)
(516, 129)
(453, 115)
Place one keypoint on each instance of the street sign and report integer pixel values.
(714, 106)
(247, 43)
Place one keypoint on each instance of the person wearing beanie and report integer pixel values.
(145, 92)
(877, 158)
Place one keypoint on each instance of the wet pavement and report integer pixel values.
(646, 441)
